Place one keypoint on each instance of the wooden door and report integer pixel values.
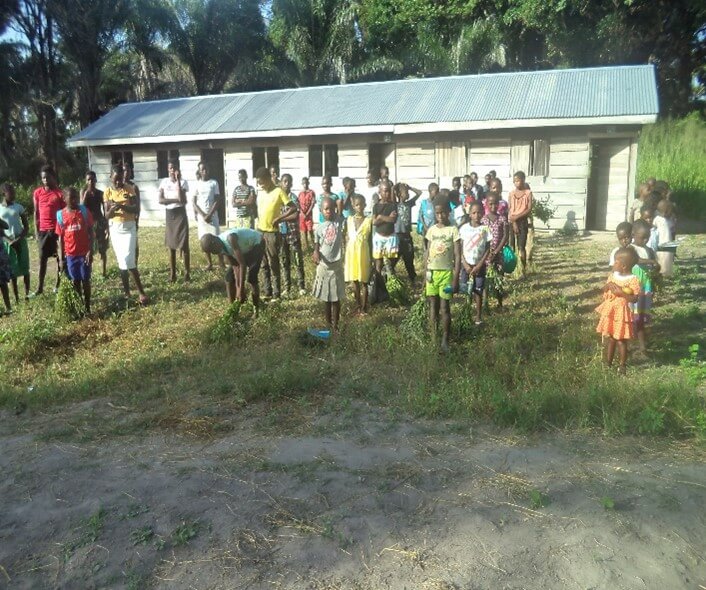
(608, 185)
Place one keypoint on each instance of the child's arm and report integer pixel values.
(315, 256)
(214, 208)
(479, 265)
(310, 208)
(457, 264)
(417, 193)
(240, 260)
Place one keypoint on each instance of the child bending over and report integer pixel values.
(475, 238)
(329, 285)
(615, 323)
(442, 265)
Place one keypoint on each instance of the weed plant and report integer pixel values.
(535, 366)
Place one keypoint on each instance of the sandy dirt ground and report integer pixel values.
(361, 499)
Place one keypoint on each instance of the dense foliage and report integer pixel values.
(63, 63)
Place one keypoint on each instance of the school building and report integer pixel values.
(575, 133)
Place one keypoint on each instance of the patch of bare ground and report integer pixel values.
(375, 503)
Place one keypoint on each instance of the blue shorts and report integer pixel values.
(470, 287)
(77, 268)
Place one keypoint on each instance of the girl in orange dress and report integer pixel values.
(615, 323)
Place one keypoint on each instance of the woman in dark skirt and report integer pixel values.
(172, 194)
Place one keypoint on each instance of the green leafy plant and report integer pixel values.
(608, 503)
(69, 305)
(398, 292)
(538, 500)
(695, 368)
(141, 536)
(231, 324)
(414, 324)
(651, 420)
(186, 531)
(542, 209)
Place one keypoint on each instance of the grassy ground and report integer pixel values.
(537, 366)
(675, 150)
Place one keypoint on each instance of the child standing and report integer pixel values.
(520, 199)
(385, 244)
(442, 266)
(92, 198)
(615, 323)
(121, 211)
(48, 199)
(664, 224)
(291, 239)
(325, 194)
(358, 249)
(329, 285)
(306, 200)
(498, 227)
(74, 226)
(426, 217)
(475, 238)
(644, 268)
(5, 268)
(15, 216)
(206, 199)
(403, 226)
(172, 194)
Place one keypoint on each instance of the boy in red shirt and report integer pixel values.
(47, 201)
(74, 226)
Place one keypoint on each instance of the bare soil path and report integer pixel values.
(361, 499)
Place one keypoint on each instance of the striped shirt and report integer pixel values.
(243, 192)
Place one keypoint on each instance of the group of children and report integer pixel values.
(644, 255)
(353, 239)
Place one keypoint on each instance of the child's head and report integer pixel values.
(326, 183)
(48, 176)
(117, 175)
(401, 191)
(652, 199)
(625, 259)
(286, 182)
(496, 186)
(385, 191)
(441, 212)
(474, 179)
(518, 179)
(349, 185)
(491, 201)
(456, 183)
(71, 197)
(90, 180)
(624, 233)
(662, 188)
(488, 178)
(359, 205)
(243, 176)
(202, 171)
(274, 172)
(328, 207)
(650, 182)
(476, 213)
(384, 172)
(665, 207)
(211, 244)
(172, 169)
(493, 174)
(262, 176)
(305, 183)
(642, 191)
(9, 191)
(371, 177)
(433, 190)
(647, 213)
(466, 180)
(640, 232)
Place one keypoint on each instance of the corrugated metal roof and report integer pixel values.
(554, 94)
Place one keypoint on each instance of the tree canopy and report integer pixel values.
(63, 63)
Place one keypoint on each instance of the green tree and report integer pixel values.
(212, 38)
